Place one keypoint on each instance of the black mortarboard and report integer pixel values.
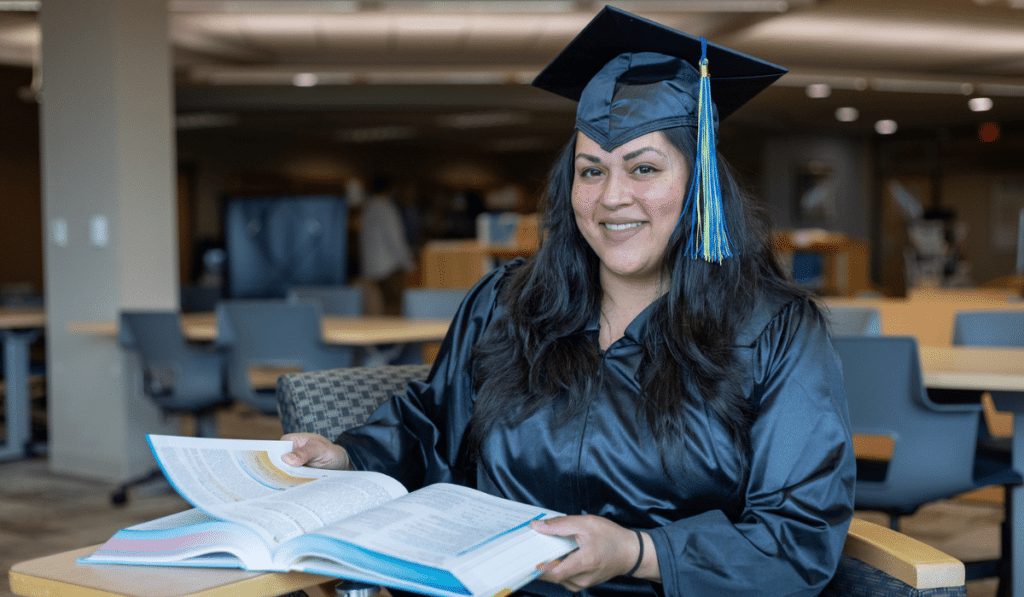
(735, 77)
(632, 76)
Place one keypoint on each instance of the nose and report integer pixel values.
(617, 191)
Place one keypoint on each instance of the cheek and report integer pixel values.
(667, 201)
(582, 204)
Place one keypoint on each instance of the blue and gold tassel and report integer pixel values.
(709, 236)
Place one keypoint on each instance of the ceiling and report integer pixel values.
(451, 71)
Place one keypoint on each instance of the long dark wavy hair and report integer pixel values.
(536, 353)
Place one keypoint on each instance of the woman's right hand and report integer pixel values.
(316, 451)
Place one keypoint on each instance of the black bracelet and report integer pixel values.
(640, 556)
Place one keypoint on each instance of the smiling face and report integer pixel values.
(627, 203)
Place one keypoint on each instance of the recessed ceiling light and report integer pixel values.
(885, 127)
(376, 134)
(847, 114)
(818, 90)
(305, 79)
(979, 104)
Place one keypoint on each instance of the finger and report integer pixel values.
(558, 525)
(305, 450)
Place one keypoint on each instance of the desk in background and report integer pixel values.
(18, 329)
(461, 263)
(845, 260)
(366, 332)
(989, 370)
(349, 331)
(928, 313)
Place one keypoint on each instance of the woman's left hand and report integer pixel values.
(605, 550)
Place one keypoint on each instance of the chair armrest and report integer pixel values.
(919, 565)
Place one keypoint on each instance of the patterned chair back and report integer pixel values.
(330, 401)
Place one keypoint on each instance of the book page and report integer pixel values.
(189, 538)
(479, 537)
(245, 481)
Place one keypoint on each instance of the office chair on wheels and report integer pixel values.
(178, 377)
(935, 451)
(275, 336)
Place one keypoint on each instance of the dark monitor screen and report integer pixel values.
(276, 242)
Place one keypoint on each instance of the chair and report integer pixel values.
(329, 402)
(177, 376)
(934, 446)
(994, 329)
(874, 557)
(989, 328)
(333, 300)
(427, 303)
(267, 337)
(851, 320)
(432, 303)
(196, 298)
(882, 562)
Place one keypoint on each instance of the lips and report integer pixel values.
(621, 231)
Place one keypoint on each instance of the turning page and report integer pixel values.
(245, 481)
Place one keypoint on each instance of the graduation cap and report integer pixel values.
(632, 76)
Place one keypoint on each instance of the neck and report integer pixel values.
(621, 303)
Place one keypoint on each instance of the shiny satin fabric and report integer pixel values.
(778, 531)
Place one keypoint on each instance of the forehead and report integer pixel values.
(655, 140)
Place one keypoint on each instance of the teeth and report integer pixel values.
(622, 226)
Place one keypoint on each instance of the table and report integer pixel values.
(18, 328)
(371, 333)
(1001, 372)
(364, 331)
(928, 313)
(59, 574)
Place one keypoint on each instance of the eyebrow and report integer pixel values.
(625, 158)
(633, 154)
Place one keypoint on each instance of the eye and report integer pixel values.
(646, 169)
(589, 172)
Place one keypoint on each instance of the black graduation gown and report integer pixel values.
(780, 533)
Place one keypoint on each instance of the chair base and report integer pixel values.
(119, 497)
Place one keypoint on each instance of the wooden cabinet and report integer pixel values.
(845, 261)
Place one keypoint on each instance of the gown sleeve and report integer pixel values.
(788, 538)
(415, 437)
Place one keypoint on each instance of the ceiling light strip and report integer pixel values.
(265, 6)
(649, 6)
(19, 5)
(893, 84)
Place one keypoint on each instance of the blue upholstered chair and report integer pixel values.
(993, 328)
(272, 335)
(333, 300)
(876, 561)
(177, 376)
(989, 328)
(853, 320)
(935, 445)
(432, 303)
(426, 303)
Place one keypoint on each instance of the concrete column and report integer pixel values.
(109, 212)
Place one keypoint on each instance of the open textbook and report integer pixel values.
(255, 512)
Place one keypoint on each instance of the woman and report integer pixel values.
(687, 413)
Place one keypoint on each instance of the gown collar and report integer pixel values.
(634, 331)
